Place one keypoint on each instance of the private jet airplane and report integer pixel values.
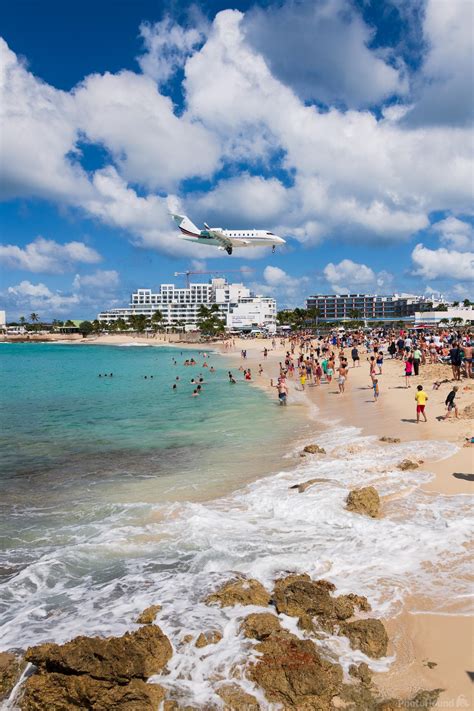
(226, 239)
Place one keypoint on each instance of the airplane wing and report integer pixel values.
(221, 238)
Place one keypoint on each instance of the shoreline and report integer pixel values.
(415, 638)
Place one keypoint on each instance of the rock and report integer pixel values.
(11, 668)
(390, 440)
(364, 501)
(299, 596)
(314, 449)
(431, 665)
(210, 637)
(187, 639)
(369, 636)
(292, 672)
(343, 608)
(260, 625)
(240, 591)
(64, 692)
(235, 698)
(362, 672)
(422, 700)
(147, 617)
(135, 655)
(407, 464)
(359, 601)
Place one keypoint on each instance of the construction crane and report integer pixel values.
(188, 272)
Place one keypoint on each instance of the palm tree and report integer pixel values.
(354, 314)
(456, 321)
(138, 322)
(313, 314)
(121, 324)
(444, 321)
(34, 317)
(96, 325)
(22, 320)
(157, 321)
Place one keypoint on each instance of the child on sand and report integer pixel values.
(408, 371)
(421, 397)
(375, 385)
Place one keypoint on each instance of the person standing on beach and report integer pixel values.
(375, 385)
(451, 404)
(421, 397)
(355, 357)
(456, 361)
(342, 372)
(417, 360)
(408, 371)
(468, 358)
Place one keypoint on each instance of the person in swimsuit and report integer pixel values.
(408, 371)
(342, 371)
(468, 359)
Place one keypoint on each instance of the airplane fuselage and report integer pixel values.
(238, 238)
(226, 239)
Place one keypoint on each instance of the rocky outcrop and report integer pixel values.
(293, 673)
(299, 596)
(260, 625)
(147, 617)
(236, 699)
(407, 464)
(362, 672)
(314, 449)
(97, 673)
(364, 501)
(369, 636)
(422, 700)
(390, 440)
(209, 637)
(11, 668)
(135, 655)
(63, 692)
(240, 591)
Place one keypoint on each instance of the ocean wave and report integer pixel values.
(105, 573)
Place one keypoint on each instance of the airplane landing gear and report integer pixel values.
(273, 249)
(228, 250)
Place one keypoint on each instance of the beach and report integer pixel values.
(426, 636)
(417, 638)
(255, 527)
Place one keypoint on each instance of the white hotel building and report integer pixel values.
(240, 309)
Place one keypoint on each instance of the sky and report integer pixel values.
(345, 126)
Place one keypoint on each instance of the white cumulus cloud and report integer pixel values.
(455, 233)
(167, 45)
(349, 275)
(442, 263)
(46, 255)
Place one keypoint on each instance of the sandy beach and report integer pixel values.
(432, 650)
(417, 638)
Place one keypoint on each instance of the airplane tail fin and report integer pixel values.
(185, 224)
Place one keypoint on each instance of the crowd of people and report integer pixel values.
(318, 360)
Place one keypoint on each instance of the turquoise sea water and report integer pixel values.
(82, 454)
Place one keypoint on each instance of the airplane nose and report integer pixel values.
(281, 240)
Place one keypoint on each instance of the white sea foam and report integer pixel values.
(107, 572)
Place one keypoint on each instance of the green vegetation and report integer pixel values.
(210, 323)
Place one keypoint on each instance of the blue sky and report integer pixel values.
(342, 125)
